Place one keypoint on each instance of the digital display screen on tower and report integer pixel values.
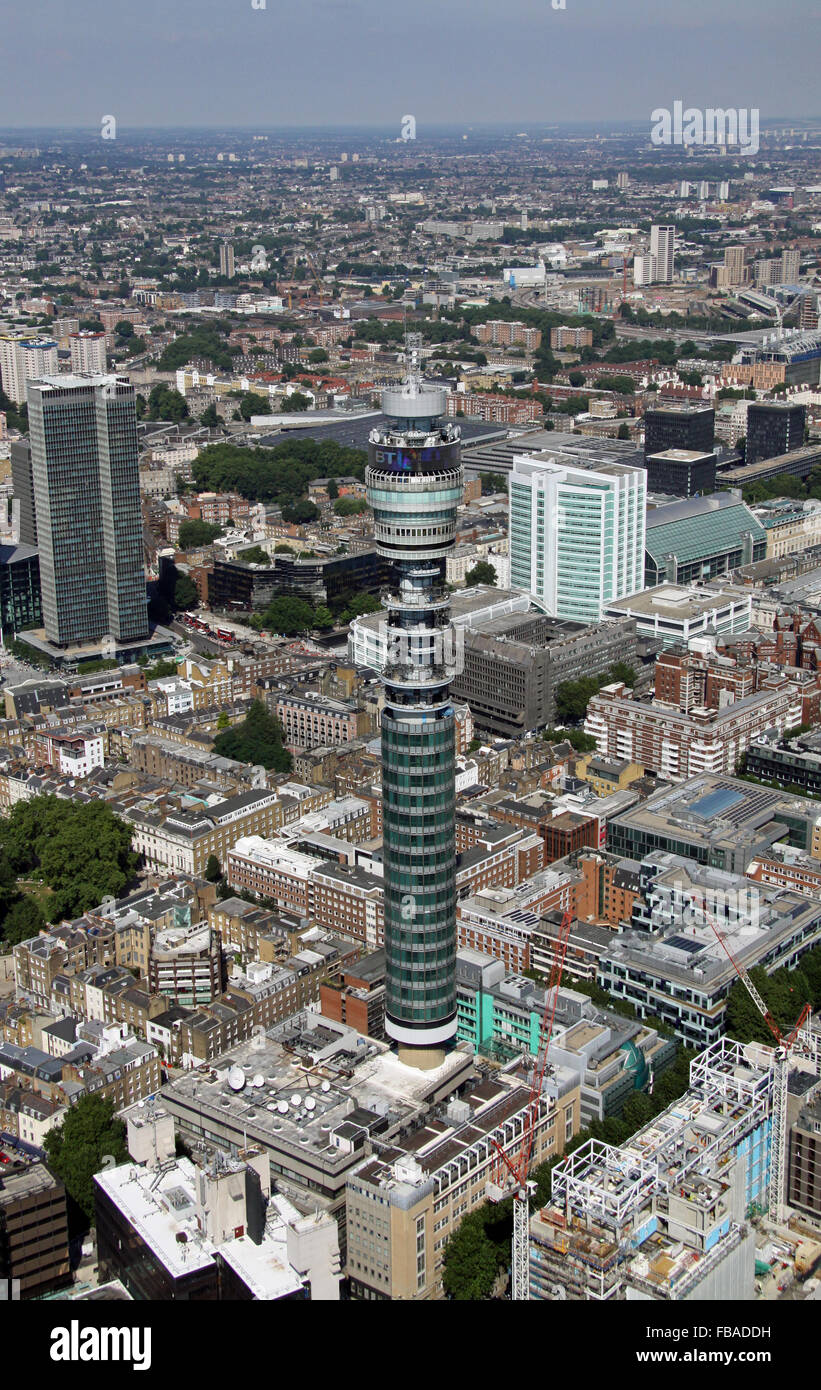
(413, 460)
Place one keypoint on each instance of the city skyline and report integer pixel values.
(149, 65)
(410, 651)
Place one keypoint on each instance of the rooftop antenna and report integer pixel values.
(413, 376)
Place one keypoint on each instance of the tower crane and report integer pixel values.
(317, 279)
(516, 1179)
(799, 1039)
(780, 311)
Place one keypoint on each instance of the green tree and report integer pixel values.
(78, 1148)
(357, 606)
(254, 556)
(23, 920)
(223, 722)
(623, 432)
(8, 883)
(318, 355)
(576, 378)
(196, 533)
(185, 592)
(621, 671)
(275, 475)
(323, 618)
(573, 697)
(164, 403)
(742, 1019)
(257, 740)
(295, 402)
(161, 668)
(300, 511)
(493, 482)
(288, 616)
(470, 1264)
(81, 850)
(623, 385)
(205, 340)
(213, 872)
(124, 329)
(350, 506)
(253, 404)
(209, 416)
(482, 573)
(333, 489)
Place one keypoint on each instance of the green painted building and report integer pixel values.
(501, 1015)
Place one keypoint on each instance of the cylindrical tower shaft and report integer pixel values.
(414, 481)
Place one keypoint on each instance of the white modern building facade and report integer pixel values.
(662, 249)
(22, 360)
(576, 534)
(367, 636)
(88, 354)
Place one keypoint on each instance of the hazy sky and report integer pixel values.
(369, 62)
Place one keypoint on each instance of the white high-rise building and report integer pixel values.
(644, 270)
(662, 247)
(25, 359)
(88, 354)
(227, 260)
(790, 266)
(576, 533)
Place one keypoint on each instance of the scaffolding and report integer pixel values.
(603, 1183)
(607, 1200)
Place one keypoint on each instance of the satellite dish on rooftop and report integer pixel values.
(236, 1078)
(259, 1080)
(296, 1100)
(326, 1086)
(282, 1107)
(310, 1103)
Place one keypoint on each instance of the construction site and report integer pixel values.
(677, 1212)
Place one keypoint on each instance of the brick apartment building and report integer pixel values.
(347, 900)
(688, 679)
(711, 677)
(562, 338)
(607, 887)
(510, 333)
(357, 998)
(218, 508)
(497, 410)
(313, 721)
(676, 744)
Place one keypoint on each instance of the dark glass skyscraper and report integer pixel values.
(774, 428)
(677, 426)
(414, 481)
(86, 488)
